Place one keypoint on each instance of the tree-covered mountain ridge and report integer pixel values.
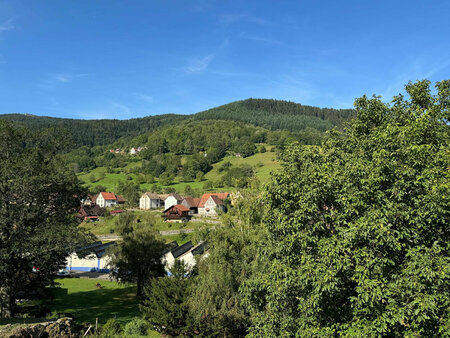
(268, 113)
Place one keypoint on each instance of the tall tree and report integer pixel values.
(215, 301)
(359, 228)
(165, 300)
(38, 199)
(138, 257)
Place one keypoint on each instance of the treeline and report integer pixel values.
(95, 132)
(276, 114)
(269, 114)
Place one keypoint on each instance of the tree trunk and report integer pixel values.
(7, 302)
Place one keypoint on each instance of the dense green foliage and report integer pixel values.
(165, 301)
(38, 197)
(358, 236)
(214, 300)
(271, 114)
(95, 132)
(137, 257)
(276, 114)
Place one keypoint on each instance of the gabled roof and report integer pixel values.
(216, 200)
(178, 251)
(120, 199)
(177, 206)
(170, 246)
(200, 248)
(177, 197)
(221, 195)
(153, 196)
(163, 196)
(98, 248)
(192, 201)
(108, 196)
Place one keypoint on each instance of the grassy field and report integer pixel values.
(81, 298)
(262, 163)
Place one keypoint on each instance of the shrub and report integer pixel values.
(137, 326)
(111, 328)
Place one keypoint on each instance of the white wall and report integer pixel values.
(169, 202)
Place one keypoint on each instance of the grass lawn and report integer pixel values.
(85, 301)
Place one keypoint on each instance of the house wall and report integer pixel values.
(169, 202)
(144, 202)
(100, 201)
(210, 208)
(189, 260)
(168, 261)
(110, 203)
(87, 263)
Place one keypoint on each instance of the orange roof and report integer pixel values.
(220, 195)
(108, 196)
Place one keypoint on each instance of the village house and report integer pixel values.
(176, 212)
(172, 199)
(212, 204)
(192, 204)
(109, 199)
(90, 213)
(90, 258)
(186, 253)
(150, 200)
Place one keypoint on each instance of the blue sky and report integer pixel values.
(123, 59)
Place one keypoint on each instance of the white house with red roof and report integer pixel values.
(211, 204)
(109, 199)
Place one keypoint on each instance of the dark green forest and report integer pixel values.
(270, 114)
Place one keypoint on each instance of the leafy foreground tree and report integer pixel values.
(138, 257)
(38, 200)
(214, 298)
(165, 301)
(359, 227)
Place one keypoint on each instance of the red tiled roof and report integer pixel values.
(120, 199)
(179, 207)
(220, 195)
(108, 196)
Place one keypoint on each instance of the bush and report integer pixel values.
(137, 326)
(111, 328)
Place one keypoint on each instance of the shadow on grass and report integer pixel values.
(104, 304)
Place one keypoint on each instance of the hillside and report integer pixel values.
(270, 114)
(95, 132)
(278, 115)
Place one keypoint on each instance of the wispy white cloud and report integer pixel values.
(144, 97)
(6, 25)
(200, 65)
(117, 107)
(230, 18)
(54, 80)
(414, 70)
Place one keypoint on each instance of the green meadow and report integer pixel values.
(262, 164)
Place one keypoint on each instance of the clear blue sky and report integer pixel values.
(122, 59)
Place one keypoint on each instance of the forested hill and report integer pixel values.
(276, 114)
(270, 114)
(96, 132)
